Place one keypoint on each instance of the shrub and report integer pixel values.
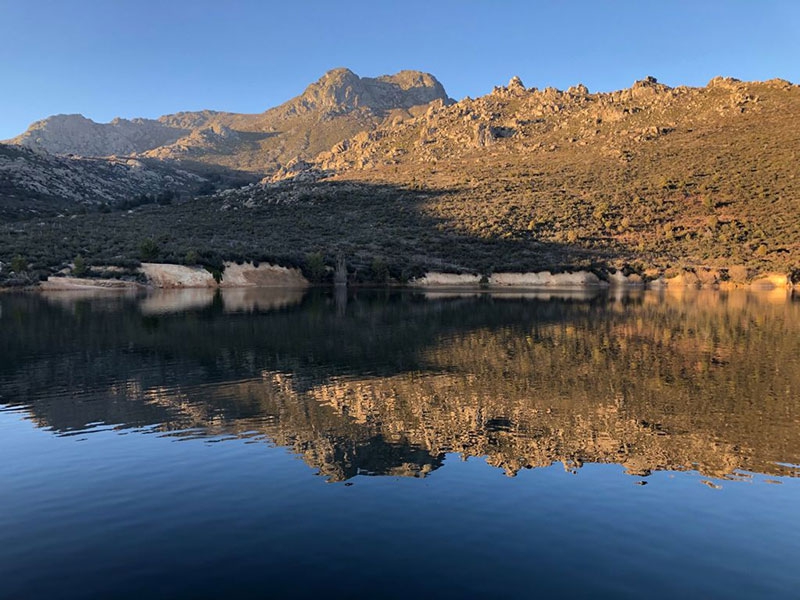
(315, 267)
(19, 264)
(192, 258)
(379, 270)
(79, 268)
(216, 272)
(166, 197)
(149, 249)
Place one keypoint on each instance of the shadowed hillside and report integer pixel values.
(369, 224)
(35, 184)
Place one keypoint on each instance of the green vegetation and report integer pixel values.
(19, 264)
(149, 250)
(79, 267)
(192, 258)
(379, 270)
(314, 267)
(216, 272)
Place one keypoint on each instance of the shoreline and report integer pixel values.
(166, 276)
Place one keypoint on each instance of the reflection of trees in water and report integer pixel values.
(388, 386)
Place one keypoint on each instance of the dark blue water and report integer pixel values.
(391, 445)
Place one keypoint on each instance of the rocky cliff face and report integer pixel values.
(341, 90)
(337, 106)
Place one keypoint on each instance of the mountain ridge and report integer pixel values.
(337, 105)
(652, 179)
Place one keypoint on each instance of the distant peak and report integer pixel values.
(342, 89)
(76, 117)
(338, 73)
(648, 87)
(515, 82)
(648, 81)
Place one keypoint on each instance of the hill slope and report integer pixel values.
(650, 179)
(37, 184)
(684, 175)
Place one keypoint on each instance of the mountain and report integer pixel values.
(339, 105)
(653, 175)
(652, 180)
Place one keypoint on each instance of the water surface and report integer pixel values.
(277, 443)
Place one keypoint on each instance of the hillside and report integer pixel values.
(660, 175)
(37, 184)
(339, 105)
(651, 179)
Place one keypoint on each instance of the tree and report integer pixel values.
(379, 270)
(192, 258)
(149, 249)
(79, 268)
(315, 267)
(19, 264)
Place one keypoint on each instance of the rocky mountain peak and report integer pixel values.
(337, 106)
(650, 82)
(341, 90)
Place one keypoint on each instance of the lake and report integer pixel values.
(396, 444)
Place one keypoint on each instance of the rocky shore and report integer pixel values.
(249, 275)
(710, 279)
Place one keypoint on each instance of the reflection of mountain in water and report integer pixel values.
(393, 382)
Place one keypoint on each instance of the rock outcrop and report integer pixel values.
(233, 276)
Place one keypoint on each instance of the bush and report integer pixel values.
(315, 267)
(19, 264)
(149, 249)
(79, 268)
(192, 258)
(216, 272)
(166, 197)
(379, 270)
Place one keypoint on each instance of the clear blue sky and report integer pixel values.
(146, 58)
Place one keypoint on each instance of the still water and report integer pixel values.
(268, 444)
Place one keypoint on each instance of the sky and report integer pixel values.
(146, 58)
